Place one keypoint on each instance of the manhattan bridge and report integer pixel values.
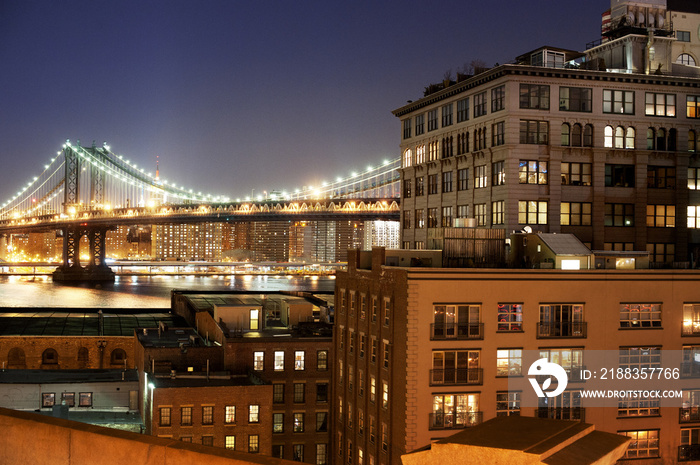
(87, 191)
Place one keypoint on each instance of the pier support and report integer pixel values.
(96, 269)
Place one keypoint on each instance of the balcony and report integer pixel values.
(567, 329)
(455, 420)
(562, 413)
(439, 331)
(689, 452)
(452, 376)
(689, 415)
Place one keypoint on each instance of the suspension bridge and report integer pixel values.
(87, 191)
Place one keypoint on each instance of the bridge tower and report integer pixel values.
(71, 270)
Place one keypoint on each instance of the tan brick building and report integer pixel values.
(424, 352)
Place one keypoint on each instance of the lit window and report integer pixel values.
(253, 414)
(299, 360)
(230, 414)
(645, 443)
(279, 360)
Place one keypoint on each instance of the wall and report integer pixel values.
(32, 438)
(67, 348)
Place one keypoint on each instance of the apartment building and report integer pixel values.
(285, 341)
(602, 143)
(424, 352)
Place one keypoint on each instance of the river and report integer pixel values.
(142, 291)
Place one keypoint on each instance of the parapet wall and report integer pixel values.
(37, 439)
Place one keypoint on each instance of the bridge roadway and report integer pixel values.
(306, 210)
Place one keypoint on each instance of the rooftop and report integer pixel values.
(81, 322)
(66, 376)
(564, 244)
(530, 440)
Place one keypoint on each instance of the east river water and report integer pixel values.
(143, 291)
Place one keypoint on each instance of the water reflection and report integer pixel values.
(141, 291)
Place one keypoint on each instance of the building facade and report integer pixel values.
(602, 144)
(424, 352)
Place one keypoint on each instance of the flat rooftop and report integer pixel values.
(169, 337)
(81, 321)
(214, 379)
(66, 376)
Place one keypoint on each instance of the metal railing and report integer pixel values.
(455, 420)
(457, 331)
(453, 376)
(688, 452)
(688, 414)
(566, 329)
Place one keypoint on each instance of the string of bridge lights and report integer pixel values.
(325, 185)
(138, 177)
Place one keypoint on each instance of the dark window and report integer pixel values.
(420, 186)
(619, 175)
(534, 97)
(498, 98)
(447, 181)
(49, 357)
(534, 132)
(322, 392)
(619, 214)
(575, 99)
(463, 179)
(661, 177)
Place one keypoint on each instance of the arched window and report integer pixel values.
(118, 357)
(629, 138)
(49, 357)
(576, 135)
(16, 359)
(407, 158)
(685, 59)
(83, 357)
(608, 136)
(691, 141)
(661, 139)
(588, 135)
(565, 134)
(619, 137)
(651, 139)
(672, 138)
(420, 154)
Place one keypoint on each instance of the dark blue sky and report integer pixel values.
(235, 96)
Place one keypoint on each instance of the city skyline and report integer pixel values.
(208, 88)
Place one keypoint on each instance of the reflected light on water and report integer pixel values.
(142, 291)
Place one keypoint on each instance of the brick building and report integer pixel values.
(423, 352)
(284, 340)
(72, 338)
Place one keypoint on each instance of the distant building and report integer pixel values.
(72, 338)
(198, 241)
(285, 341)
(99, 397)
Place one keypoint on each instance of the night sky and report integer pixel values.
(234, 96)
